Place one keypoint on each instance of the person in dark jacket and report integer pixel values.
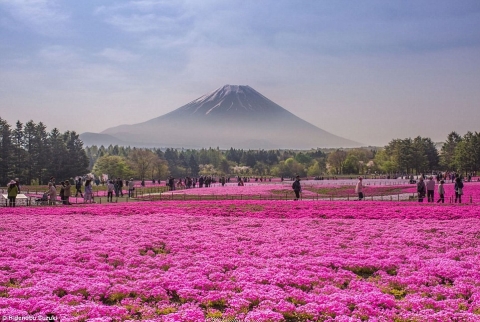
(297, 188)
(120, 186)
(421, 189)
(171, 183)
(458, 190)
(78, 187)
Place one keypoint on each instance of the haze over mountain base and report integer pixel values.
(231, 116)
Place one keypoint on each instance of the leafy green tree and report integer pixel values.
(314, 170)
(113, 165)
(303, 158)
(141, 162)
(384, 162)
(336, 160)
(447, 154)
(160, 168)
(467, 153)
(352, 164)
(224, 166)
(431, 152)
(293, 168)
(420, 159)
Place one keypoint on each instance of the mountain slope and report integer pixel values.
(231, 116)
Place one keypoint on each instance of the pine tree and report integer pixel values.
(6, 152)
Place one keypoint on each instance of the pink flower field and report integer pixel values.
(323, 190)
(243, 261)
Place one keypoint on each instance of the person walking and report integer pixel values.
(458, 189)
(297, 188)
(116, 184)
(430, 189)
(78, 187)
(441, 192)
(359, 188)
(421, 189)
(12, 192)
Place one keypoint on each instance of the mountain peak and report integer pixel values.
(238, 100)
(230, 116)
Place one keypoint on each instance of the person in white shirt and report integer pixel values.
(430, 189)
(131, 188)
(359, 188)
(110, 188)
(441, 192)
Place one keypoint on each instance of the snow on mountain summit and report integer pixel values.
(231, 99)
(230, 116)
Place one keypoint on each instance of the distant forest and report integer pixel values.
(399, 157)
(33, 155)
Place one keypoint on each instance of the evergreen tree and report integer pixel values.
(6, 152)
(77, 163)
(447, 157)
(193, 165)
(18, 156)
(58, 155)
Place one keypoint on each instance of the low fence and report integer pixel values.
(161, 193)
(412, 197)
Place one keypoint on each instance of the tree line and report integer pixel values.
(398, 157)
(420, 155)
(33, 155)
(122, 162)
(30, 153)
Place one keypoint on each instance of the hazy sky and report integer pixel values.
(369, 71)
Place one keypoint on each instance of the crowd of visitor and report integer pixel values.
(425, 186)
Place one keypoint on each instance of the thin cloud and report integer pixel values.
(146, 17)
(41, 16)
(118, 55)
(59, 55)
(140, 23)
(76, 70)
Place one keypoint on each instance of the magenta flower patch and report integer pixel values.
(250, 261)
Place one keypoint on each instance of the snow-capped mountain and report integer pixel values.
(231, 116)
(231, 100)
